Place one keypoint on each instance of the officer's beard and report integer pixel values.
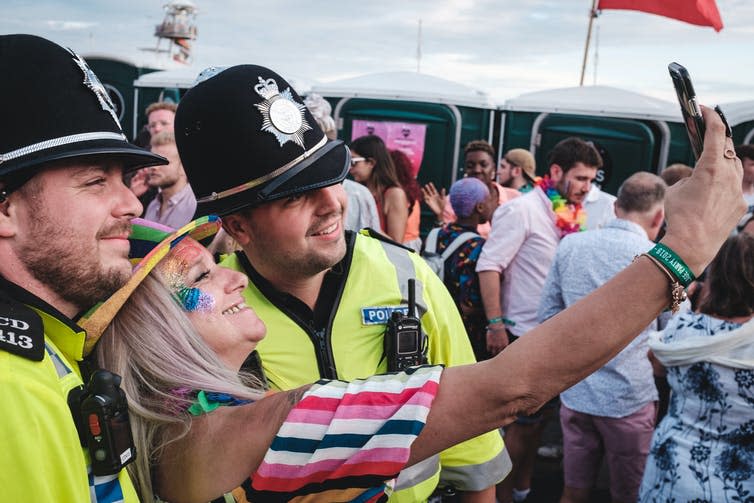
(69, 267)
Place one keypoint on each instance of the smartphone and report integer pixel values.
(692, 114)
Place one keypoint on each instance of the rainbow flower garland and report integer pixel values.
(569, 217)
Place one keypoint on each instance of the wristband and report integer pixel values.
(677, 292)
(673, 263)
(500, 319)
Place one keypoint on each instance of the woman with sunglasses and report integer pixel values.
(371, 165)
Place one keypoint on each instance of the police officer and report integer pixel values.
(255, 155)
(64, 223)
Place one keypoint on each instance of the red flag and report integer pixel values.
(699, 12)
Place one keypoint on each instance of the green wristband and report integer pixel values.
(673, 263)
(500, 319)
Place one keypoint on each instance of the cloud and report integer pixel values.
(69, 25)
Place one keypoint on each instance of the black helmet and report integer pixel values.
(246, 138)
(54, 107)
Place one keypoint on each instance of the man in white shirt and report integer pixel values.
(522, 242)
(599, 207)
(175, 204)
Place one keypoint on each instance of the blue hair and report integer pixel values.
(466, 193)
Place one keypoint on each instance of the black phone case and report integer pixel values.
(692, 114)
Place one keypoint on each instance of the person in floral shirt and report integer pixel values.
(703, 450)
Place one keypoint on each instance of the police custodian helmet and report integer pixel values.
(245, 138)
(54, 107)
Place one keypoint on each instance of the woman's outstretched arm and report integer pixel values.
(700, 211)
(223, 448)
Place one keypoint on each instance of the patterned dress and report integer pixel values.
(346, 441)
(703, 450)
(462, 282)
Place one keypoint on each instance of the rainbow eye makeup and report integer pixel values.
(175, 271)
(193, 299)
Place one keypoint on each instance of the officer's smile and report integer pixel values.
(328, 230)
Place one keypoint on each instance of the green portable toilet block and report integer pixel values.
(429, 118)
(633, 132)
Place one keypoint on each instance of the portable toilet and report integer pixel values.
(740, 116)
(429, 118)
(117, 75)
(634, 132)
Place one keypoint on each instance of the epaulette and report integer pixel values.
(21, 330)
(368, 231)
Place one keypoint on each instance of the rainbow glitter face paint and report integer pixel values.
(175, 269)
(193, 299)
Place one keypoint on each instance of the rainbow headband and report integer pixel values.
(150, 243)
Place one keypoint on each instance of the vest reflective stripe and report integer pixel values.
(405, 270)
(61, 368)
(477, 477)
(417, 473)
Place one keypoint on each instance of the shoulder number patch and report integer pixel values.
(21, 330)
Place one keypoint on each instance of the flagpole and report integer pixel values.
(419, 47)
(592, 15)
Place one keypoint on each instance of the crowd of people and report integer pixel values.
(256, 347)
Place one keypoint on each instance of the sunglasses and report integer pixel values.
(356, 160)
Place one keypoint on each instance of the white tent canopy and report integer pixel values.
(596, 101)
(405, 86)
(182, 78)
(185, 78)
(738, 111)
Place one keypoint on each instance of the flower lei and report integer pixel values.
(569, 217)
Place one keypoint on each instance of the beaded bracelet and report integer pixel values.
(677, 291)
(673, 263)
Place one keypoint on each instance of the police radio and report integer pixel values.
(405, 344)
(103, 424)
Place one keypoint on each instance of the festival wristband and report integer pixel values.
(500, 319)
(673, 263)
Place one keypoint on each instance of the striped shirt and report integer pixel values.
(347, 441)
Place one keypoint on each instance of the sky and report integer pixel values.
(503, 47)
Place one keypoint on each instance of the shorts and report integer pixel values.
(624, 442)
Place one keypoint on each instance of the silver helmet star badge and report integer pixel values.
(92, 82)
(283, 116)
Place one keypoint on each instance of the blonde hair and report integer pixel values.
(153, 346)
(160, 105)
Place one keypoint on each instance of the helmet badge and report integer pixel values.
(283, 116)
(92, 82)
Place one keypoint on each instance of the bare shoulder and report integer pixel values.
(396, 194)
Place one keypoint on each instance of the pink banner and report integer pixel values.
(408, 137)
